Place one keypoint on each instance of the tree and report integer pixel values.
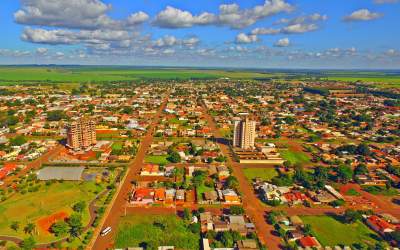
(18, 140)
(344, 173)
(29, 228)
(363, 149)
(360, 169)
(174, 157)
(14, 226)
(186, 214)
(60, 228)
(28, 243)
(79, 207)
(237, 210)
(232, 182)
(55, 115)
(395, 236)
(75, 223)
(351, 216)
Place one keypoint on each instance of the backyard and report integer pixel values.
(331, 232)
(153, 231)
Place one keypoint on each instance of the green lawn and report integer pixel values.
(29, 207)
(331, 232)
(157, 159)
(265, 174)
(117, 146)
(153, 231)
(294, 157)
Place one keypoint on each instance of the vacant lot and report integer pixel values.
(265, 174)
(157, 159)
(331, 232)
(153, 231)
(30, 207)
(295, 157)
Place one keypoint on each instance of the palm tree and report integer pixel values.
(14, 225)
(29, 228)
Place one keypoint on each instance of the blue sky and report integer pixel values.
(206, 33)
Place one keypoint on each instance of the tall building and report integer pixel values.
(244, 133)
(81, 134)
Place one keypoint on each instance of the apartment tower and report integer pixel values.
(244, 133)
(81, 133)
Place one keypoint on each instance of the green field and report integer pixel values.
(265, 174)
(117, 146)
(11, 75)
(294, 157)
(331, 232)
(157, 159)
(154, 231)
(29, 207)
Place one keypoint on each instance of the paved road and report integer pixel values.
(117, 208)
(251, 203)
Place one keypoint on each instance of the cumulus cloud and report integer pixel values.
(74, 14)
(362, 15)
(54, 37)
(284, 42)
(175, 18)
(41, 51)
(229, 15)
(243, 38)
(14, 53)
(299, 28)
(265, 31)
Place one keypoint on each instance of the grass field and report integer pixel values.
(29, 207)
(294, 157)
(117, 146)
(331, 232)
(157, 159)
(153, 231)
(265, 174)
(10, 75)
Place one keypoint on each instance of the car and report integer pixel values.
(105, 231)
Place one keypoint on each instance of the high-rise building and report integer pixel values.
(81, 133)
(244, 133)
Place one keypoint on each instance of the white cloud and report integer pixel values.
(392, 53)
(175, 18)
(229, 15)
(284, 42)
(299, 28)
(362, 15)
(265, 31)
(41, 51)
(74, 14)
(243, 38)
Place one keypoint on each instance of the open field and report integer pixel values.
(294, 157)
(331, 232)
(57, 197)
(10, 75)
(154, 231)
(265, 174)
(157, 159)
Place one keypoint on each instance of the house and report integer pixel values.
(223, 172)
(180, 196)
(210, 196)
(151, 170)
(379, 225)
(309, 241)
(143, 196)
(237, 223)
(230, 196)
(296, 221)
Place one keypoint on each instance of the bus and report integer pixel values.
(105, 231)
